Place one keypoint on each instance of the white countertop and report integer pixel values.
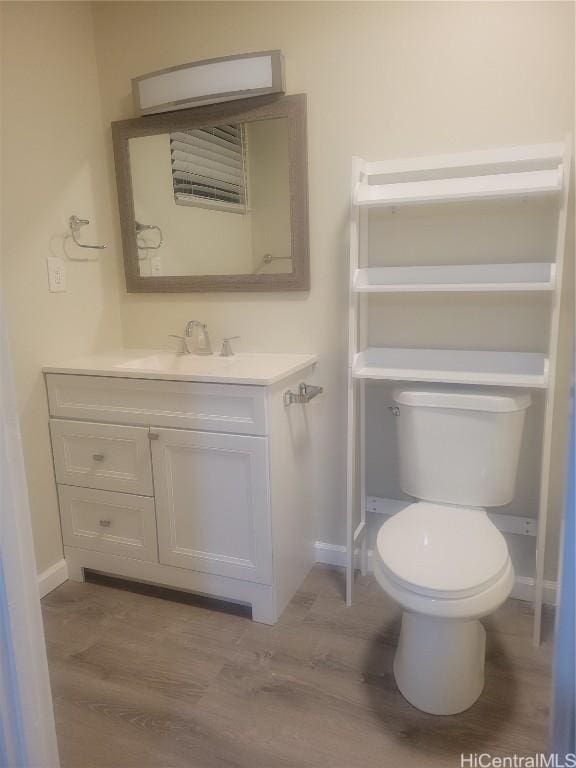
(256, 368)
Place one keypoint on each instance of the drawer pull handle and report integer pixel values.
(105, 523)
(98, 456)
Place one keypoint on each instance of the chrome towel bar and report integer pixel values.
(305, 393)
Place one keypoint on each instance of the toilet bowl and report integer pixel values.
(442, 559)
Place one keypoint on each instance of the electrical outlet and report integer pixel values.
(56, 274)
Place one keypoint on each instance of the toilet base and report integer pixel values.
(439, 663)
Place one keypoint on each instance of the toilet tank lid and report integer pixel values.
(467, 400)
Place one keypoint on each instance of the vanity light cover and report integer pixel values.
(209, 82)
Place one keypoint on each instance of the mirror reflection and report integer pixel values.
(213, 200)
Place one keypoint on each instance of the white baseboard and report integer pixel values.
(52, 577)
(330, 554)
(524, 590)
(335, 554)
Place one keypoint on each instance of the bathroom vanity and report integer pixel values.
(187, 472)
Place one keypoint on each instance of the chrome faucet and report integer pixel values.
(196, 340)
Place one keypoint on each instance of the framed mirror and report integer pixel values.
(215, 198)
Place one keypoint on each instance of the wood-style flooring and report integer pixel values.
(145, 682)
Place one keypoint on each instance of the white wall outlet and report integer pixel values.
(56, 274)
(156, 265)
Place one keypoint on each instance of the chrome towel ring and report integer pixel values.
(76, 225)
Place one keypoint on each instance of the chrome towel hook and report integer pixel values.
(76, 225)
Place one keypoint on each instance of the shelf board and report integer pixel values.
(456, 278)
(487, 187)
(452, 366)
(533, 157)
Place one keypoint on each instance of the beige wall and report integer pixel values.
(382, 80)
(53, 165)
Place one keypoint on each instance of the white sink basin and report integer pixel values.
(170, 361)
(257, 368)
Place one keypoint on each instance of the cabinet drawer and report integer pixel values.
(235, 408)
(119, 523)
(109, 457)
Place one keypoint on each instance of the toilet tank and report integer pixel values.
(459, 446)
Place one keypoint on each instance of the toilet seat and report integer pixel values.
(441, 552)
(447, 567)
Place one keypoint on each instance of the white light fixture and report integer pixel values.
(209, 82)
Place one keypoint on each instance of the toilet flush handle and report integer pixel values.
(394, 410)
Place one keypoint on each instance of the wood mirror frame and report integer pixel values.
(293, 108)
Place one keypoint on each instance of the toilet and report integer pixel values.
(441, 558)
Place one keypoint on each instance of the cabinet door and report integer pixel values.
(212, 503)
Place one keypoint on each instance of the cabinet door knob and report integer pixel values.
(105, 523)
(98, 456)
(153, 435)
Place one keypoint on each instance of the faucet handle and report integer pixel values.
(183, 348)
(227, 350)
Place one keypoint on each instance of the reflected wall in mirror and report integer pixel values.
(215, 198)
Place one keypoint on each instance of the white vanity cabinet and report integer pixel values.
(200, 486)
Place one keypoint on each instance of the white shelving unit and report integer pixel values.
(491, 175)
